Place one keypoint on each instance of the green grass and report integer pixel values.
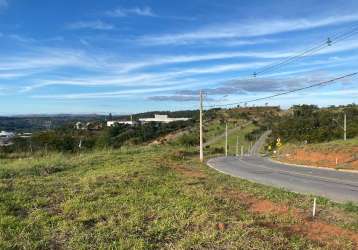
(232, 140)
(353, 142)
(332, 145)
(143, 198)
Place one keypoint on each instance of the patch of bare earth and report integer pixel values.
(169, 137)
(316, 230)
(323, 158)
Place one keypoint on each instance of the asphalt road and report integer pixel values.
(335, 185)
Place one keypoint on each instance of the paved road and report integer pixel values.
(336, 185)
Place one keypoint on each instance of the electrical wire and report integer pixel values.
(322, 45)
(287, 92)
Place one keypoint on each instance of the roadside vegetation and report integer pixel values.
(310, 124)
(314, 136)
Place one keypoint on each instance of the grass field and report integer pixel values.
(240, 134)
(156, 197)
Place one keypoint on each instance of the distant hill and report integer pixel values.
(33, 123)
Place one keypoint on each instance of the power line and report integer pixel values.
(287, 92)
(335, 38)
(331, 40)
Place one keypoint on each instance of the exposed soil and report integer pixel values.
(338, 158)
(315, 230)
(169, 137)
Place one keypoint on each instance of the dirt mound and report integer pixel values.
(324, 157)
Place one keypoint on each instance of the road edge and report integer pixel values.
(312, 167)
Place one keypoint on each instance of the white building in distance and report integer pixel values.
(114, 123)
(6, 138)
(4, 134)
(162, 119)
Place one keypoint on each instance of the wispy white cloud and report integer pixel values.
(138, 11)
(46, 58)
(113, 94)
(95, 25)
(174, 78)
(177, 59)
(176, 98)
(235, 30)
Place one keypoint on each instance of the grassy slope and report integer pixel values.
(149, 198)
(232, 140)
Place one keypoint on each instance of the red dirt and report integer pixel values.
(345, 159)
(316, 230)
(221, 226)
(265, 206)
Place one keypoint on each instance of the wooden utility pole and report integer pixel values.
(226, 145)
(237, 146)
(201, 128)
(345, 126)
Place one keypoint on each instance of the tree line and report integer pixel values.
(68, 139)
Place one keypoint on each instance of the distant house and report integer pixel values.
(25, 135)
(162, 119)
(6, 138)
(4, 134)
(88, 126)
(80, 125)
(114, 123)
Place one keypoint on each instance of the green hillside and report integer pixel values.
(149, 198)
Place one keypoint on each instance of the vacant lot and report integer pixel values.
(156, 197)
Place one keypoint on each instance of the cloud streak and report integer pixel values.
(175, 98)
(137, 11)
(257, 85)
(95, 25)
(234, 30)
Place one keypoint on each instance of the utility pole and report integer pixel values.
(242, 151)
(345, 126)
(201, 128)
(237, 146)
(226, 140)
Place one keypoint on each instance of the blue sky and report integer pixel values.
(88, 56)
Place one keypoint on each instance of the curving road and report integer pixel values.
(335, 185)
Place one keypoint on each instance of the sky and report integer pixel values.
(130, 56)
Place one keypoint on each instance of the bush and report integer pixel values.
(188, 140)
